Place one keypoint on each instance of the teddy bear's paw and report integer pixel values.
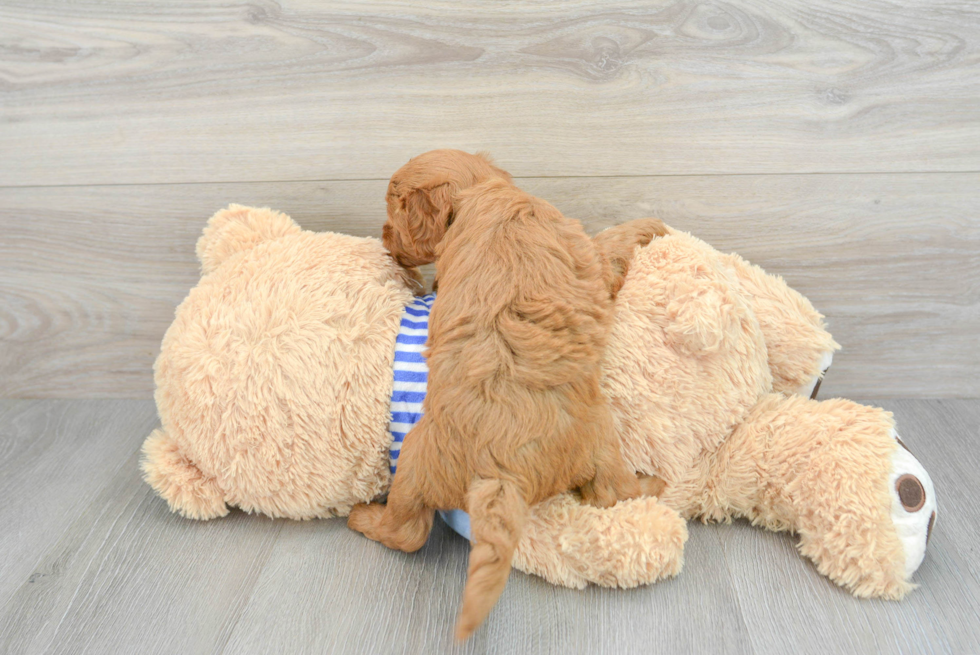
(875, 553)
(634, 542)
(811, 388)
(914, 506)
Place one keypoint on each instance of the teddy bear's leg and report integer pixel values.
(833, 472)
(914, 504)
(618, 243)
(571, 544)
(799, 345)
(178, 481)
(811, 388)
(405, 520)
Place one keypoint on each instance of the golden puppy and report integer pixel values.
(514, 412)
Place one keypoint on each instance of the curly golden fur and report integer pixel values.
(514, 412)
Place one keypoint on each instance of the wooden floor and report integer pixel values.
(93, 562)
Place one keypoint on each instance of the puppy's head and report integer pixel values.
(420, 201)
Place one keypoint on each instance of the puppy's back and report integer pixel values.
(520, 291)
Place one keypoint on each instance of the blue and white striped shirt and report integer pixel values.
(411, 373)
(408, 390)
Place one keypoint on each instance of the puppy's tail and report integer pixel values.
(497, 514)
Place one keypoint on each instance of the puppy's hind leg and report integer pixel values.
(613, 480)
(498, 511)
(405, 521)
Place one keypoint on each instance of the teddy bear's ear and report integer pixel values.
(239, 228)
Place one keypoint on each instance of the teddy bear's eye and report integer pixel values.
(910, 492)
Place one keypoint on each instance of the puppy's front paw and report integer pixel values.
(596, 496)
(603, 494)
(617, 245)
(645, 230)
(651, 485)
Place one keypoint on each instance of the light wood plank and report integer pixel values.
(112, 92)
(89, 276)
(55, 457)
(130, 577)
(358, 596)
(790, 607)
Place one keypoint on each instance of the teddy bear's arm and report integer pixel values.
(800, 347)
(632, 543)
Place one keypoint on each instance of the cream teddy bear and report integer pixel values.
(274, 389)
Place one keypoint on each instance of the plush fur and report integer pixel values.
(698, 411)
(514, 413)
(240, 427)
(273, 388)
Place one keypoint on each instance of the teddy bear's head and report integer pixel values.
(274, 381)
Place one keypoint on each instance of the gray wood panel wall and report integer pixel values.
(835, 143)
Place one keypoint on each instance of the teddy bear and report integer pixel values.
(274, 390)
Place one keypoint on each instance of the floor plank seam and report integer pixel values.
(516, 177)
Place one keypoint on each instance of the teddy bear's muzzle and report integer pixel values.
(913, 505)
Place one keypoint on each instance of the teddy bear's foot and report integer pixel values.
(812, 388)
(913, 505)
(634, 542)
(864, 558)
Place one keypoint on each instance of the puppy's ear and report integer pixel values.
(417, 222)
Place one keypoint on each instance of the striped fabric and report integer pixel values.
(411, 373)
(408, 390)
